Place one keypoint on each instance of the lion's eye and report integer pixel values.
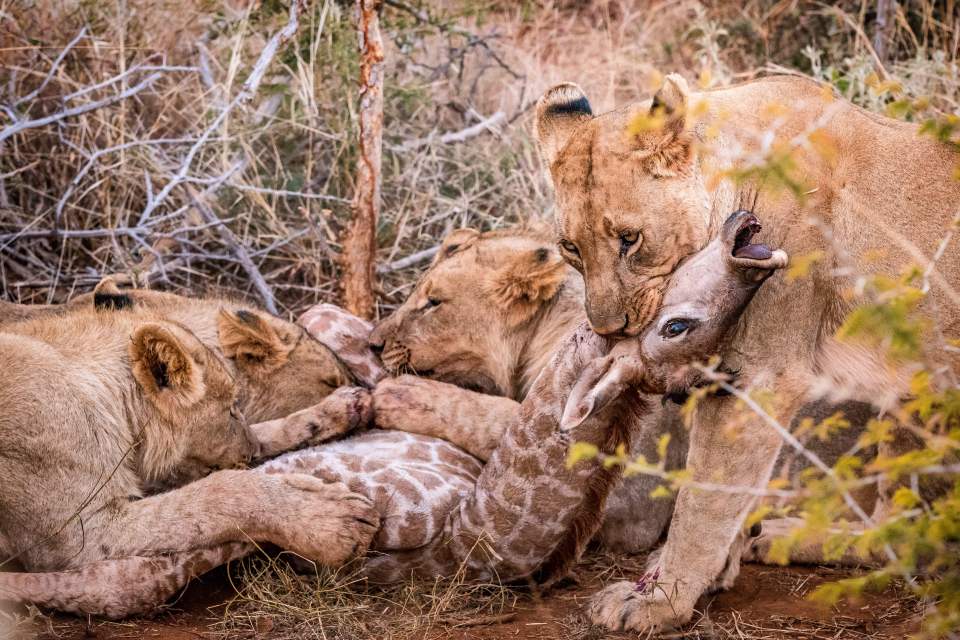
(569, 247)
(627, 240)
(432, 302)
(677, 327)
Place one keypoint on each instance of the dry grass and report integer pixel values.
(272, 595)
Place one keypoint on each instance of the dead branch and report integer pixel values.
(408, 261)
(259, 283)
(23, 125)
(455, 137)
(246, 93)
(359, 242)
(53, 69)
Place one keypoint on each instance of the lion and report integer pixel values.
(637, 191)
(268, 353)
(98, 408)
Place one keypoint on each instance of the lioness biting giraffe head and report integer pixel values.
(525, 515)
(642, 187)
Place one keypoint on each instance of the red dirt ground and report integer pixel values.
(767, 602)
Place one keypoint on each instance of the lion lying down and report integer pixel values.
(524, 515)
(101, 409)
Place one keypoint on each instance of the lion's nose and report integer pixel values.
(608, 325)
(376, 347)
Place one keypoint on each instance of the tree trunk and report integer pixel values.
(359, 243)
(886, 12)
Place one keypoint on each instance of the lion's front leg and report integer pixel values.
(726, 448)
(473, 421)
(344, 410)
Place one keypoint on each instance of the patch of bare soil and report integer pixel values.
(767, 603)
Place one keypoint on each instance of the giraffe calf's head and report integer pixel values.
(703, 301)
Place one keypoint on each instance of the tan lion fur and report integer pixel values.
(507, 301)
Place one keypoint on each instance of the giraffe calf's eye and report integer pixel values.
(569, 247)
(676, 327)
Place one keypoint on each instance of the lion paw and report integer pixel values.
(323, 522)
(637, 606)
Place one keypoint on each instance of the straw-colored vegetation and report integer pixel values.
(132, 143)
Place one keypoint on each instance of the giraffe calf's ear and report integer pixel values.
(601, 382)
(527, 282)
(253, 341)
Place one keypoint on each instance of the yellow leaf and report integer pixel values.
(773, 110)
(826, 92)
(643, 121)
(705, 79)
(654, 81)
(822, 142)
(662, 443)
(581, 451)
(778, 483)
(800, 265)
(758, 514)
(661, 492)
(905, 498)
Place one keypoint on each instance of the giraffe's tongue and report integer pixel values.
(754, 252)
(742, 247)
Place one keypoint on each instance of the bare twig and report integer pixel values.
(23, 125)
(454, 137)
(53, 69)
(245, 94)
(408, 261)
(266, 293)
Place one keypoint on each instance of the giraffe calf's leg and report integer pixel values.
(119, 587)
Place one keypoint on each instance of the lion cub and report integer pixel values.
(95, 408)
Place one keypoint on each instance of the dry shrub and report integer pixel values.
(278, 172)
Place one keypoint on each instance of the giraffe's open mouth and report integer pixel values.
(743, 248)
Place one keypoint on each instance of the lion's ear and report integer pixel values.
(529, 280)
(456, 241)
(252, 341)
(165, 363)
(663, 143)
(559, 111)
(108, 296)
